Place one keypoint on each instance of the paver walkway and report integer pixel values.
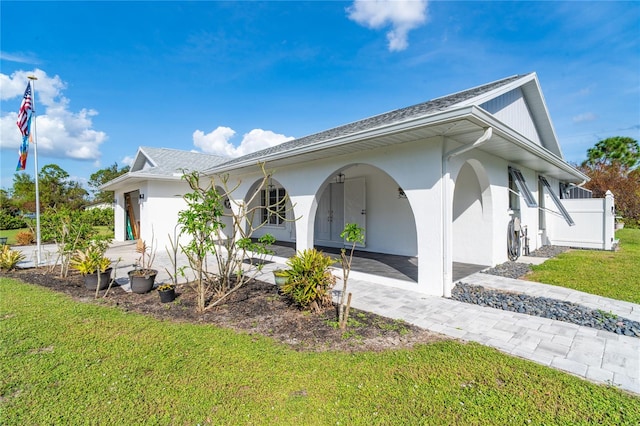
(596, 355)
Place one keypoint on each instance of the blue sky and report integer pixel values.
(232, 77)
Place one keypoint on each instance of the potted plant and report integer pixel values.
(93, 265)
(143, 276)
(280, 276)
(167, 293)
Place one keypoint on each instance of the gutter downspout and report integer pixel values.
(446, 222)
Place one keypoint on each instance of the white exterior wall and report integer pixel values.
(415, 167)
(482, 239)
(529, 216)
(159, 211)
(119, 223)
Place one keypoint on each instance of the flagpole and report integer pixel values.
(35, 162)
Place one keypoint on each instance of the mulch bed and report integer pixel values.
(256, 308)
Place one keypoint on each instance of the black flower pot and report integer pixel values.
(167, 296)
(91, 280)
(142, 280)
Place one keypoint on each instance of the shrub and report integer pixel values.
(309, 281)
(9, 258)
(24, 238)
(8, 221)
(99, 216)
(91, 259)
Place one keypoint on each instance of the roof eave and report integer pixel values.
(403, 126)
(128, 178)
(500, 129)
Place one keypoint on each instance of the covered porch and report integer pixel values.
(401, 268)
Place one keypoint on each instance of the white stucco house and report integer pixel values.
(439, 182)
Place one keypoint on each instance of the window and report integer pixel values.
(556, 200)
(273, 202)
(518, 179)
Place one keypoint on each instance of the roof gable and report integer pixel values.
(520, 104)
(167, 162)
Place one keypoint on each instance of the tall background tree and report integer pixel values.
(614, 164)
(57, 189)
(103, 176)
(60, 197)
(22, 195)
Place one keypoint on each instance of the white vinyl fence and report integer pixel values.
(594, 224)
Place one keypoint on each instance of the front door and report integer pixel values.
(330, 215)
(339, 204)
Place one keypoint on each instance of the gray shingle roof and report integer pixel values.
(415, 111)
(169, 161)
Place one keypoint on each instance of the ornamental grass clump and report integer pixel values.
(310, 281)
(10, 258)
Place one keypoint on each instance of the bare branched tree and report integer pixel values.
(239, 257)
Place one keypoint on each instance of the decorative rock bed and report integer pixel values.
(517, 269)
(541, 306)
(509, 270)
(546, 308)
(548, 251)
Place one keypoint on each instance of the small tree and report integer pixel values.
(203, 222)
(68, 230)
(200, 221)
(354, 234)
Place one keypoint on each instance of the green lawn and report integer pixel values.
(10, 234)
(605, 273)
(66, 362)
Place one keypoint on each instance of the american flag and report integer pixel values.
(23, 114)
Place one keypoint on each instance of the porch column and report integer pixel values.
(448, 187)
(426, 206)
(304, 212)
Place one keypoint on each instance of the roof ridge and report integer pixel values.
(182, 150)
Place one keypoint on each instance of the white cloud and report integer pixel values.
(401, 15)
(587, 116)
(217, 141)
(60, 133)
(127, 161)
(24, 58)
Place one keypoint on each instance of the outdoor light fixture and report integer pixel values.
(141, 196)
(340, 178)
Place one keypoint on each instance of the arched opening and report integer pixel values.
(276, 220)
(370, 197)
(472, 238)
